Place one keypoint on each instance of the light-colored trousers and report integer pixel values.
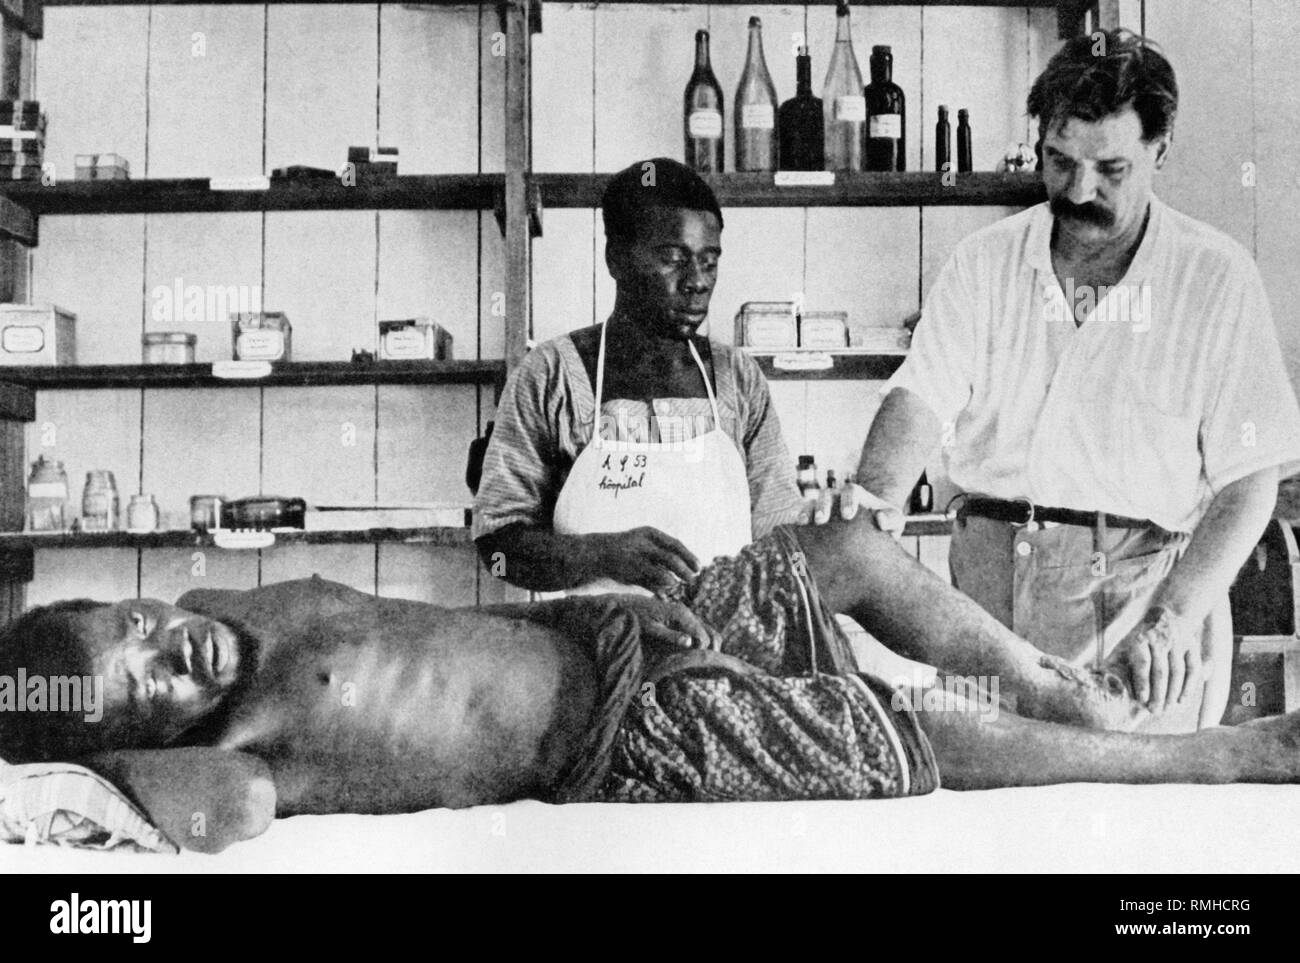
(1049, 586)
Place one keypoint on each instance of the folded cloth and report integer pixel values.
(780, 713)
(68, 805)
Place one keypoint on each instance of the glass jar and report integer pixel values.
(169, 347)
(205, 512)
(47, 496)
(99, 502)
(142, 514)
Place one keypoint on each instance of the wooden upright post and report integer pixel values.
(518, 163)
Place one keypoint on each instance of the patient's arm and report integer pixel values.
(202, 799)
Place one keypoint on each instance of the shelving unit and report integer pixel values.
(518, 196)
(845, 366)
(290, 374)
(11, 542)
(909, 189)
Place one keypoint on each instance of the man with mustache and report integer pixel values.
(1105, 380)
(628, 454)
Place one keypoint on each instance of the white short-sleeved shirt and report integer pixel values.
(1171, 389)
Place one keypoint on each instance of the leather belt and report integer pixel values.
(1023, 512)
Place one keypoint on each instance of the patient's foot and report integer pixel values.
(1073, 695)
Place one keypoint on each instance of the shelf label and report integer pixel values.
(804, 178)
(255, 182)
(242, 538)
(240, 369)
(22, 339)
(803, 361)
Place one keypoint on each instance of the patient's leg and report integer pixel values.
(975, 753)
(863, 573)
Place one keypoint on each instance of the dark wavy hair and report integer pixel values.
(655, 183)
(44, 641)
(1098, 74)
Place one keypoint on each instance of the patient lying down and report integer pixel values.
(310, 697)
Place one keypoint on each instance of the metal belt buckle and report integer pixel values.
(1029, 521)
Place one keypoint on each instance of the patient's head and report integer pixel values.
(144, 672)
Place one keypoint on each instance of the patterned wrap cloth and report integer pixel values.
(781, 715)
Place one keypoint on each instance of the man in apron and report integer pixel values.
(1105, 380)
(629, 454)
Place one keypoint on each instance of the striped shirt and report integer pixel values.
(545, 419)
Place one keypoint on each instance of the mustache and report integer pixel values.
(1087, 213)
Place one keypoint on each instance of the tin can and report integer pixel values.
(261, 336)
(99, 502)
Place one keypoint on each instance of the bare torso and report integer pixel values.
(369, 705)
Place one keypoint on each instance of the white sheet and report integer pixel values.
(1075, 828)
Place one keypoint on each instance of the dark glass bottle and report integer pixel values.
(800, 123)
(756, 135)
(702, 113)
(942, 141)
(963, 141)
(922, 500)
(882, 147)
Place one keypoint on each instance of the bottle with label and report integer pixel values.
(963, 141)
(843, 106)
(942, 142)
(702, 113)
(800, 124)
(47, 496)
(922, 498)
(99, 502)
(805, 476)
(756, 136)
(883, 147)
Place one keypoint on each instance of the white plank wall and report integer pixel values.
(198, 91)
(298, 84)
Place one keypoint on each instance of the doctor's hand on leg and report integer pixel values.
(641, 556)
(1162, 659)
(852, 498)
(670, 622)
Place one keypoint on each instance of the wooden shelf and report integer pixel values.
(847, 366)
(906, 189)
(298, 374)
(193, 196)
(11, 542)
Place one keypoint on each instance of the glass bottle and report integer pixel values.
(884, 149)
(702, 113)
(99, 502)
(800, 125)
(142, 514)
(963, 141)
(942, 141)
(805, 477)
(843, 106)
(756, 137)
(47, 496)
(922, 500)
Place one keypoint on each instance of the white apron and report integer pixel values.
(696, 490)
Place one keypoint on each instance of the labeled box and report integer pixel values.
(767, 324)
(37, 334)
(261, 336)
(414, 338)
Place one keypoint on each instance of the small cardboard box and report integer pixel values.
(414, 338)
(767, 324)
(37, 334)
